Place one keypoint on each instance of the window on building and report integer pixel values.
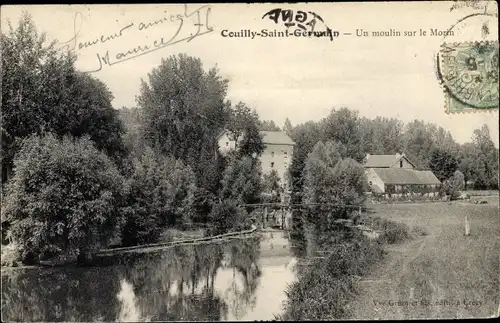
(370, 183)
(272, 153)
(401, 163)
(286, 154)
(272, 164)
(227, 143)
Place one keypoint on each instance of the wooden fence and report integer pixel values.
(113, 251)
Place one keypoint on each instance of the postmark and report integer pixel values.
(469, 75)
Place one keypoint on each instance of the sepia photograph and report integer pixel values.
(250, 162)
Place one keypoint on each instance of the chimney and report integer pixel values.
(397, 155)
(367, 156)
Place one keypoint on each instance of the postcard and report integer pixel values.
(235, 162)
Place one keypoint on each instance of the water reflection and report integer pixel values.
(234, 280)
(129, 312)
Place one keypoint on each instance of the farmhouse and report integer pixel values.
(396, 176)
(277, 154)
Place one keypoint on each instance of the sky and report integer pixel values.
(301, 78)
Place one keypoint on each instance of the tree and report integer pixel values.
(381, 135)
(271, 186)
(242, 180)
(183, 110)
(486, 172)
(161, 194)
(467, 162)
(227, 215)
(42, 92)
(64, 200)
(418, 143)
(305, 137)
(133, 141)
(443, 164)
(288, 128)
(454, 185)
(342, 126)
(268, 125)
(243, 127)
(329, 179)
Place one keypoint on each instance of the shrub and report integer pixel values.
(227, 216)
(454, 184)
(391, 232)
(327, 286)
(242, 180)
(161, 193)
(64, 198)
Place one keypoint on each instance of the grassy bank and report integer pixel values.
(327, 286)
(453, 275)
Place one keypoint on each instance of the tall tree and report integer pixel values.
(287, 127)
(467, 162)
(342, 126)
(305, 137)
(486, 158)
(184, 109)
(381, 135)
(243, 127)
(418, 143)
(443, 164)
(268, 125)
(42, 92)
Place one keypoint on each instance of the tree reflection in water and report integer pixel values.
(176, 284)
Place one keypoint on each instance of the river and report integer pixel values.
(240, 279)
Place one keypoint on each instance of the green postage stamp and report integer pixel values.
(469, 75)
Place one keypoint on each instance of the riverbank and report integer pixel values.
(447, 274)
(329, 279)
(170, 238)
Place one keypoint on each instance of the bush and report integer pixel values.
(227, 216)
(391, 232)
(64, 198)
(161, 194)
(327, 286)
(454, 184)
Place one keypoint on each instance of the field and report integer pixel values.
(440, 274)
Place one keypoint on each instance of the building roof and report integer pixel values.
(402, 176)
(384, 160)
(276, 137)
(270, 137)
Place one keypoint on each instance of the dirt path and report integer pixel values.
(441, 275)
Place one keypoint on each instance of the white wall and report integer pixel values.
(375, 180)
(282, 158)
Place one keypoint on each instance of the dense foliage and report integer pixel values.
(271, 188)
(326, 286)
(161, 194)
(428, 146)
(227, 216)
(332, 180)
(42, 92)
(242, 180)
(64, 198)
